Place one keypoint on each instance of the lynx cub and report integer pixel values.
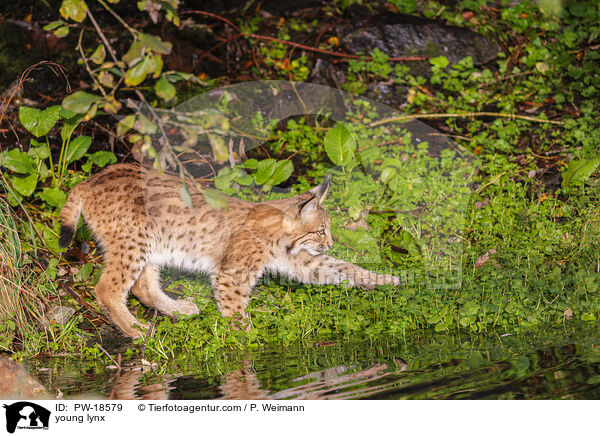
(141, 223)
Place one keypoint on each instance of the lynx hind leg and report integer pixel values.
(111, 293)
(147, 289)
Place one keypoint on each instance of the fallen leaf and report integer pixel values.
(480, 204)
(483, 259)
(467, 15)
(334, 41)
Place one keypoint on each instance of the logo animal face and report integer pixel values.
(26, 414)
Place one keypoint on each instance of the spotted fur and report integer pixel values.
(142, 224)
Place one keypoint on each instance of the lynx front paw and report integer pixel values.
(185, 307)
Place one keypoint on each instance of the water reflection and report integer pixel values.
(545, 364)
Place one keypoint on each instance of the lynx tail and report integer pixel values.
(69, 216)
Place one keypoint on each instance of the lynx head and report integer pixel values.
(308, 222)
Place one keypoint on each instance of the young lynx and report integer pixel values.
(141, 222)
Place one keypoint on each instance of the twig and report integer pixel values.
(464, 115)
(149, 333)
(449, 135)
(139, 94)
(108, 132)
(113, 392)
(54, 67)
(119, 19)
(82, 302)
(218, 17)
(302, 46)
(333, 53)
(87, 66)
(109, 356)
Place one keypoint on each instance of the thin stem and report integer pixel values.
(332, 53)
(302, 46)
(87, 66)
(155, 116)
(465, 115)
(109, 47)
(119, 19)
(51, 163)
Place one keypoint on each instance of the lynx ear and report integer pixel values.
(318, 195)
(320, 191)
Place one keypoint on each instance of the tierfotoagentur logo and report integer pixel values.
(26, 415)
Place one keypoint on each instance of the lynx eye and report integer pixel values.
(321, 232)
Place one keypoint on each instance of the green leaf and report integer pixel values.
(80, 102)
(264, 171)
(439, 62)
(137, 74)
(134, 54)
(164, 89)
(53, 25)
(103, 158)
(14, 198)
(125, 125)
(77, 148)
(39, 122)
(588, 317)
(73, 9)
(40, 152)
(340, 145)
(470, 308)
(224, 178)
(69, 127)
(219, 148)
(98, 55)
(359, 239)
(54, 197)
(251, 164)
(155, 67)
(154, 43)
(282, 171)
(25, 185)
(85, 271)
(61, 32)
(578, 171)
(542, 67)
(58, 28)
(440, 326)
(216, 199)
(185, 195)
(387, 174)
(406, 241)
(66, 114)
(242, 177)
(51, 239)
(17, 161)
(144, 125)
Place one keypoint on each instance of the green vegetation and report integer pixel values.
(524, 252)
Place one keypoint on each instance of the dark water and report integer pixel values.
(551, 363)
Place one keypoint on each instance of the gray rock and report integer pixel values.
(17, 384)
(426, 39)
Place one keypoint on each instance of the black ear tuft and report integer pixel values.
(320, 191)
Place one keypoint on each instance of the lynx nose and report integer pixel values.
(325, 247)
